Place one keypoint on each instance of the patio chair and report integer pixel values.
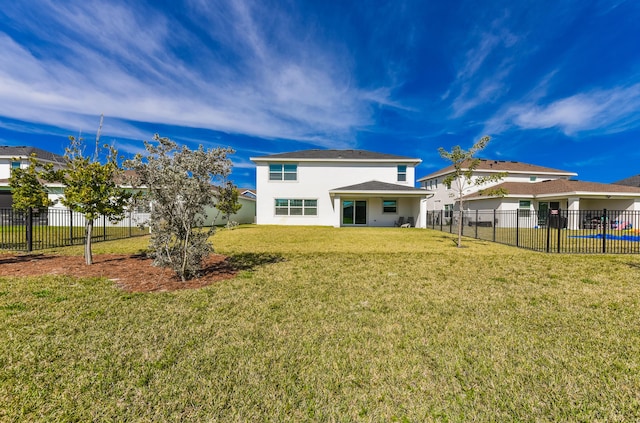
(400, 221)
(410, 221)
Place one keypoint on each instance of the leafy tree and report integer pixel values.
(178, 181)
(227, 201)
(90, 186)
(27, 189)
(464, 165)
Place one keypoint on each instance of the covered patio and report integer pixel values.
(378, 204)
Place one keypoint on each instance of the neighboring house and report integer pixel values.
(249, 193)
(18, 157)
(246, 198)
(338, 188)
(633, 181)
(444, 197)
(246, 214)
(530, 187)
(14, 157)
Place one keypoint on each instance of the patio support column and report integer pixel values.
(337, 211)
(573, 204)
(635, 222)
(422, 221)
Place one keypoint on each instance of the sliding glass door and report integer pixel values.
(354, 212)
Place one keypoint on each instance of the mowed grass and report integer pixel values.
(357, 324)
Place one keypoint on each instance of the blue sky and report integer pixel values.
(554, 83)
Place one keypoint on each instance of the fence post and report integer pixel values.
(558, 227)
(517, 228)
(29, 229)
(494, 224)
(548, 230)
(104, 227)
(605, 221)
(441, 222)
(70, 227)
(476, 224)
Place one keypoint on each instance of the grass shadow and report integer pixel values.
(249, 261)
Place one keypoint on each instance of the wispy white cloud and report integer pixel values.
(483, 72)
(127, 63)
(602, 111)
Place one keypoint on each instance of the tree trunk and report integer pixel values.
(185, 255)
(88, 232)
(460, 223)
(460, 229)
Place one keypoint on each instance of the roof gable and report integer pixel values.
(379, 186)
(502, 166)
(25, 151)
(633, 181)
(336, 155)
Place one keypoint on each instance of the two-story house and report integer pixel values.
(444, 196)
(338, 188)
(529, 188)
(12, 157)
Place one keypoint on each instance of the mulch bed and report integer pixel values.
(132, 273)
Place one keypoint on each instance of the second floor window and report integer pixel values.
(402, 173)
(283, 172)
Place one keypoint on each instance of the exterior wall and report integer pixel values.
(314, 181)
(5, 166)
(601, 203)
(246, 214)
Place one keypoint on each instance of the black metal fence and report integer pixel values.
(49, 228)
(551, 231)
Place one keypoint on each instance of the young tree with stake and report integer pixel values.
(90, 187)
(462, 178)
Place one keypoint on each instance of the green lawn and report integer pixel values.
(355, 324)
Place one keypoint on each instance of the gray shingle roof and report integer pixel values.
(504, 166)
(336, 155)
(380, 186)
(633, 181)
(25, 151)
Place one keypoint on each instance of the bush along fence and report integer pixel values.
(551, 231)
(54, 227)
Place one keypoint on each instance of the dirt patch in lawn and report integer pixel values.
(132, 273)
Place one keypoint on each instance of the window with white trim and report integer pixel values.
(524, 208)
(283, 172)
(402, 173)
(389, 206)
(296, 207)
(448, 210)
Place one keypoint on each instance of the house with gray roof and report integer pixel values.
(633, 181)
(338, 188)
(533, 190)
